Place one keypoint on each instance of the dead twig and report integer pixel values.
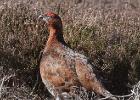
(5, 78)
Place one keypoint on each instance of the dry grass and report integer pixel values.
(107, 31)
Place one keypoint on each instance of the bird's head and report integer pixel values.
(54, 24)
(52, 20)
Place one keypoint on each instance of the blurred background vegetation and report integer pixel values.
(107, 31)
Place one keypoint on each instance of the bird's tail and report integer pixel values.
(99, 89)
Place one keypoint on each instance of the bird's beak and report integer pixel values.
(44, 18)
(40, 17)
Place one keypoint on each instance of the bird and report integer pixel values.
(62, 68)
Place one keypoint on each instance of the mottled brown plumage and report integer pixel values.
(62, 68)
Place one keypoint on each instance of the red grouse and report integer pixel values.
(62, 68)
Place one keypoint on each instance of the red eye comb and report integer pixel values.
(51, 14)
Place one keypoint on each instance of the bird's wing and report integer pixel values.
(86, 75)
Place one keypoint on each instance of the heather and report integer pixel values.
(106, 31)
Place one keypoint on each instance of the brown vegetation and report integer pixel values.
(107, 31)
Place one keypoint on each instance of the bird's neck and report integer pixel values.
(55, 37)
